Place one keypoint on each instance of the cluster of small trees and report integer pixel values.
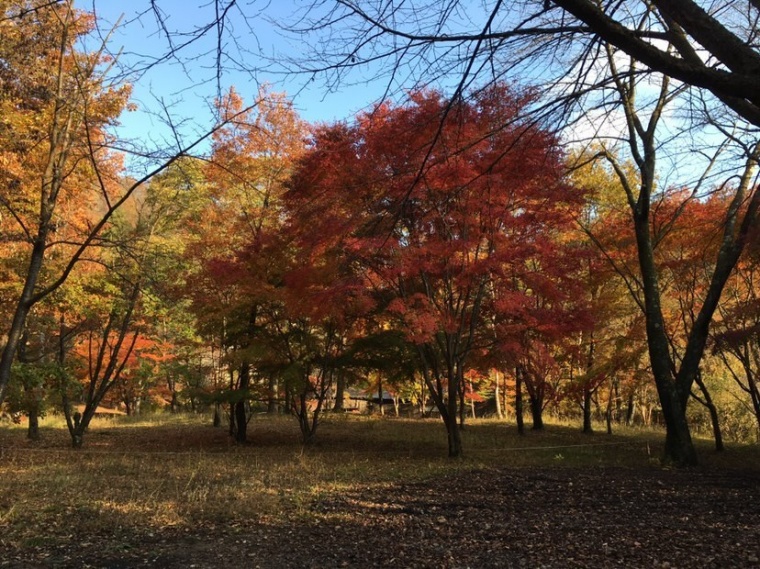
(454, 242)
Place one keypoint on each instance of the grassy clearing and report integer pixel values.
(168, 470)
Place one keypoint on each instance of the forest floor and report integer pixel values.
(480, 514)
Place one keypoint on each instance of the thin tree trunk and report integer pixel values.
(587, 393)
(630, 410)
(519, 401)
(708, 403)
(608, 414)
(497, 395)
(587, 402)
(241, 415)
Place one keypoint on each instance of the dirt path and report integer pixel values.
(533, 518)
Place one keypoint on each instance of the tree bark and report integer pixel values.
(497, 395)
(519, 401)
(33, 430)
(587, 402)
(536, 412)
(630, 410)
(340, 392)
(241, 414)
(714, 420)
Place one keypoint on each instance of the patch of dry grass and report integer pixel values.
(179, 471)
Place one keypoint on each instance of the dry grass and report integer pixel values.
(178, 471)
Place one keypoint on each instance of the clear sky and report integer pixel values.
(188, 84)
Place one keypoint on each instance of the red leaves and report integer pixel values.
(430, 202)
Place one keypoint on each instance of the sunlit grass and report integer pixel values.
(178, 471)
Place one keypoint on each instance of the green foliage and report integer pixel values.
(34, 387)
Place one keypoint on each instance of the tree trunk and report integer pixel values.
(272, 396)
(241, 415)
(587, 392)
(536, 412)
(630, 410)
(77, 433)
(454, 436)
(33, 430)
(679, 448)
(519, 402)
(587, 427)
(232, 425)
(460, 395)
(340, 392)
(714, 420)
(608, 414)
(497, 396)
(23, 307)
(172, 385)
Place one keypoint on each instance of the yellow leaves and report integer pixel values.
(591, 170)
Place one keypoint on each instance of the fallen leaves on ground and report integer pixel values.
(495, 518)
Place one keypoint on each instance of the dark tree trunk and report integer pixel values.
(679, 448)
(536, 412)
(587, 402)
(462, 403)
(241, 415)
(454, 436)
(519, 402)
(232, 424)
(708, 403)
(33, 430)
(587, 392)
(172, 384)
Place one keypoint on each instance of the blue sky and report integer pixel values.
(189, 86)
